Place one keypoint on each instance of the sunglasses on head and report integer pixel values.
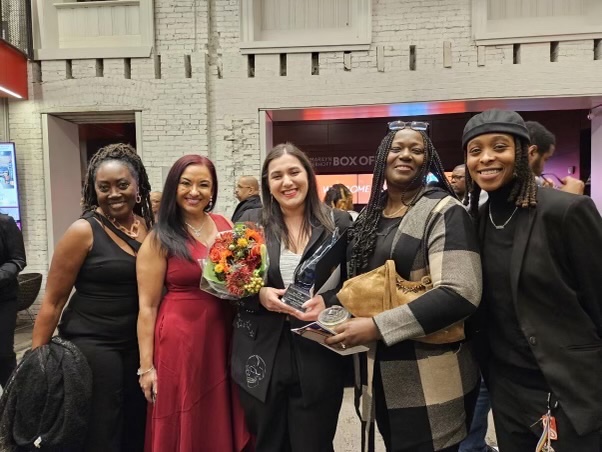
(414, 125)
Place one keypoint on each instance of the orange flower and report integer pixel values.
(255, 251)
(252, 234)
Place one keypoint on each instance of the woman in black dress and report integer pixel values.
(97, 256)
(12, 261)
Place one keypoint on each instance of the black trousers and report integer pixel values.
(517, 410)
(8, 322)
(118, 417)
(285, 422)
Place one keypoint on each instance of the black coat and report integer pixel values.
(12, 257)
(47, 400)
(252, 202)
(556, 283)
(257, 331)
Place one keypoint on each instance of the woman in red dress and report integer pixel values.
(184, 335)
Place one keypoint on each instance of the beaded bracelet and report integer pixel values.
(139, 372)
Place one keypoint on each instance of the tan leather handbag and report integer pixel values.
(382, 289)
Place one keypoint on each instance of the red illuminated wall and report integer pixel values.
(13, 71)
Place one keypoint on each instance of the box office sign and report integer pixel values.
(342, 163)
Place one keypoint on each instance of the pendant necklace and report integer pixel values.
(501, 226)
(196, 231)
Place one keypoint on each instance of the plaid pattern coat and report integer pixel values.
(429, 389)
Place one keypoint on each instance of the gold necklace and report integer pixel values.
(393, 214)
(132, 232)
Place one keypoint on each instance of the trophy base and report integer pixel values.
(295, 296)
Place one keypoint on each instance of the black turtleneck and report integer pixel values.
(509, 346)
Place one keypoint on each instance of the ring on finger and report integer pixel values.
(343, 346)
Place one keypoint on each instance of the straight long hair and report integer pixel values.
(316, 213)
(170, 230)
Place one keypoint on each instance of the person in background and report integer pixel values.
(291, 388)
(340, 197)
(541, 314)
(155, 198)
(247, 193)
(185, 333)
(422, 395)
(542, 148)
(457, 181)
(12, 262)
(97, 256)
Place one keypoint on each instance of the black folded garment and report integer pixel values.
(46, 403)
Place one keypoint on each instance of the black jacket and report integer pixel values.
(257, 332)
(252, 202)
(12, 257)
(46, 403)
(556, 271)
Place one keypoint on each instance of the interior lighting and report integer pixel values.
(10, 93)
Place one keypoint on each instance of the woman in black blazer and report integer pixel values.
(12, 261)
(291, 388)
(542, 297)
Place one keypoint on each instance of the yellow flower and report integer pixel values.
(219, 268)
(242, 242)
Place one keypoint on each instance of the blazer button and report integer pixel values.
(532, 340)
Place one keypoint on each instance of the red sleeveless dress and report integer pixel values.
(197, 407)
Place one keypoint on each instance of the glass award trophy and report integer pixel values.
(300, 290)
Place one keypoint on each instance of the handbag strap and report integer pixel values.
(427, 230)
(390, 284)
(133, 244)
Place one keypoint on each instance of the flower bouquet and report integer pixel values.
(237, 263)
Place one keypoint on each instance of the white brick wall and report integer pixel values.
(215, 112)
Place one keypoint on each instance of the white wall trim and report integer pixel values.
(47, 187)
(545, 28)
(348, 38)
(139, 139)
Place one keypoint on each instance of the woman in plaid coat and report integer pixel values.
(421, 395)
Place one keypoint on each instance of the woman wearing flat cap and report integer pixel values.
(541, 313)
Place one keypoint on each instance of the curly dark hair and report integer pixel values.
(125, 154)
(367, 222)
(524, 191)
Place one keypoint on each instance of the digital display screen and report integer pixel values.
(9, 191)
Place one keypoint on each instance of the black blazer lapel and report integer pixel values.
(274, 275)
(525, 219)
(316, 234)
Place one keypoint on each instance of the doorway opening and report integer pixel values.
(69, 141)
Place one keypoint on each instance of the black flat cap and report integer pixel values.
(492, 121)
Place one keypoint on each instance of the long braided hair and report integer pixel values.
(364, 228)
(125, 154)
(524, 191)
